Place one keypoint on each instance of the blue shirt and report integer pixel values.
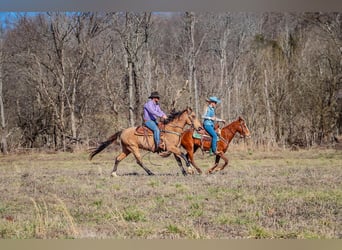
(209, 114)
(152, 111)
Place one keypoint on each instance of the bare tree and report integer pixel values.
(133, 29)
(194, 48)
(3, 142)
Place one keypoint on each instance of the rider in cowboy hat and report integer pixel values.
(209, 119)
(152, 111)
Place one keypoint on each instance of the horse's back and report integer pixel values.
(128, 135)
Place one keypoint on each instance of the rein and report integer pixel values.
(231, 130)
(179, 134)
(225, 140)
(171, 132)
(176, 126)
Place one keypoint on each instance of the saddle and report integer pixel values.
(143, 130)
(203, 134)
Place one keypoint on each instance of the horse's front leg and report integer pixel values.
(178, 155)
(213, 168)
(136, 153)
(190, 158)
(224, 164)
(179, 162)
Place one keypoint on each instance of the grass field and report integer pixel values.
(280, 194)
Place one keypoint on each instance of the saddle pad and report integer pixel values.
(196, 135)
(204, 137)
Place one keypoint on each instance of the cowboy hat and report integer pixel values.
(213, 99)
(154, 94)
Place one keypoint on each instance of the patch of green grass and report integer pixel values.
(259, 232)
(160, 200)
(116, 187)
(173, 229)
(181, 188)
(243, 220)
(196, 210)
(143, 232)
(98, 203)
(309, 235)
(153, 183)
(134, 215)
(222, 219)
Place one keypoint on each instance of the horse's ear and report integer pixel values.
(240, 118)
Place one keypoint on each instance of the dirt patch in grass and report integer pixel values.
(279, 194)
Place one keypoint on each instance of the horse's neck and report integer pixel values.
(228, 132)
(174, 124)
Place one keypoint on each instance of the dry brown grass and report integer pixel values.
(278, 194)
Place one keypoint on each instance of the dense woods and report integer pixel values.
(72, 79)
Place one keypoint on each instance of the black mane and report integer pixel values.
(173, 115)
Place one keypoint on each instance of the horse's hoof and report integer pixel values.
(113, 174)
(190, 171)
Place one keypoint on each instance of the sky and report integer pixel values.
(12, 15)
(4, 15)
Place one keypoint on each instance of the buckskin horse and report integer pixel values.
(132, 140)
(191, 141)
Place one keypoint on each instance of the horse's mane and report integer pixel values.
(239, 119)
(173, 115)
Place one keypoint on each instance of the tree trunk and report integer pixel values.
(3, 143)
(192, 62)
(130, 94)
(72, 112)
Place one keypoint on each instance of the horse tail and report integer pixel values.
(104, 144)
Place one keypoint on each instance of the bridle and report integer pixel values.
(191, 120)
(242, 134)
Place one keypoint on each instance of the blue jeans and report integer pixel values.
(156, 132)
(210, 129)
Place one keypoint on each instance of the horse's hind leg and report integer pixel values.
(119, 158)
(217, 159)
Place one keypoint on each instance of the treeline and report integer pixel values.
(74, 78)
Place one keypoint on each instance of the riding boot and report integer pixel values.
(156, 149)
(160, 148)
(210, 152)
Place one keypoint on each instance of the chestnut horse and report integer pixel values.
(191, 144)
(131, 140)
